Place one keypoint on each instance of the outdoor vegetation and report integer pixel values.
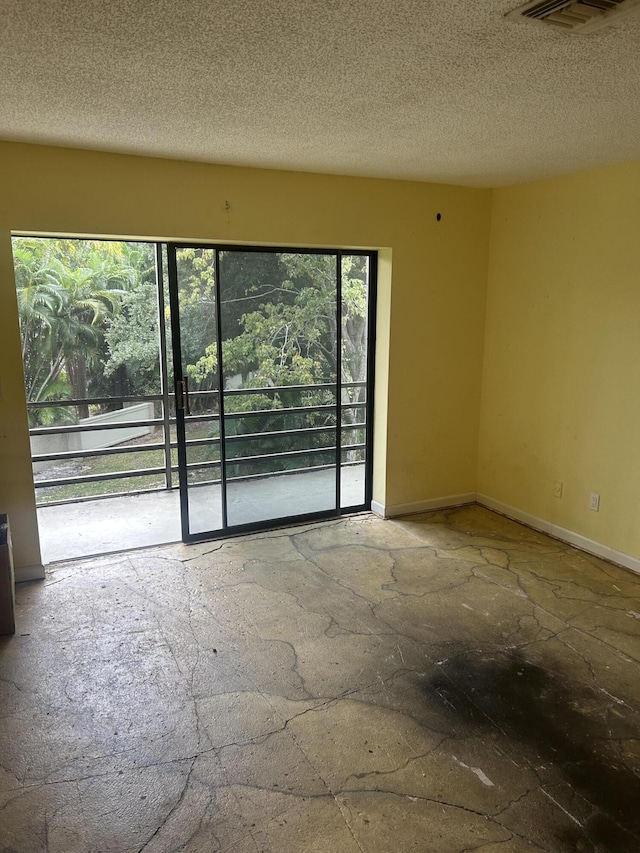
(89, 320)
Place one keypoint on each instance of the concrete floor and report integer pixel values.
(450, 682)
(87, 528)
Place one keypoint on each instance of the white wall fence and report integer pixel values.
(94, 439)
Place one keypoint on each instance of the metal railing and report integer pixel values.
(167, 445)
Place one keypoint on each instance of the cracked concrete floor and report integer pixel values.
(448, 682)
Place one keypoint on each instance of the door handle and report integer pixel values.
(179, 395)
(182, 395)
(185, 383)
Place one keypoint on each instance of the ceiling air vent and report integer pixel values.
(576, 16)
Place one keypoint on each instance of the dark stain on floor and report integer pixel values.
(567, 731)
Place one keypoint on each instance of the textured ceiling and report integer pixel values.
(441, 90)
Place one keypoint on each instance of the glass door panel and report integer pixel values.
(279, 373)
(273, 366)
(204, 478)
(195, 327)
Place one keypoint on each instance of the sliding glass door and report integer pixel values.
(272, 356)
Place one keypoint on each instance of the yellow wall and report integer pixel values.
(561, 342)
(433, 288)
(561, 384)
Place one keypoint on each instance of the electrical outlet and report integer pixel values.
(557, 489)
(594, 502)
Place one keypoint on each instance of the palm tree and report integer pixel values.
(67, 290)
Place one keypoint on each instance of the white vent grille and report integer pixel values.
(583, 16)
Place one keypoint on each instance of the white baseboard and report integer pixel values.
(393, 510)
(29, 573)
(590, 546)
(576, 539)
(378, 508)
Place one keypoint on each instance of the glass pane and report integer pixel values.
(354, 339)
(89, 321)
(279, 375)
(198, 334)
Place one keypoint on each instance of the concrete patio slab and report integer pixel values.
(105, 525)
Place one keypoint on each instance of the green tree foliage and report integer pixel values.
(131, 364)
(286, 336)
(88, 314)
(131, 336)
(291, 339)
(68, 291)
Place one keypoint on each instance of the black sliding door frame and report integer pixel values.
(181, 397)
